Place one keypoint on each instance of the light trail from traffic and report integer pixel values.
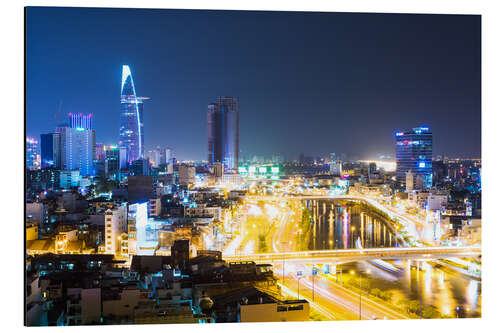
(279, 217)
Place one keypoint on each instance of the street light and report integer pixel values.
(419, 287)
(299, 275)
(352, 273)
(314, 272)
(368, 271)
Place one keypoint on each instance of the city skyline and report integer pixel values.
(182, 206)
(374, 76)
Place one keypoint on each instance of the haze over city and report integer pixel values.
(306, 82)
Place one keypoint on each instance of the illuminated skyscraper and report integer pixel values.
(131, 118)
(112, 162)
(100, 153)
(223, 132)
(414, 153)
(32, 154)
(78, 144)
(51, 150)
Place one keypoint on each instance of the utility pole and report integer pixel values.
(299, 275)
(360, 296)
(421, 291)
(283, 270)
(314, 272)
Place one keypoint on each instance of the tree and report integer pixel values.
(404, 304)
(353, 282)
(385, 295)
(430, 312)
(91, 191)
(414, 306)
(375, 292)
(262, 242)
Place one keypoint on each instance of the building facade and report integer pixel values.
(78, 144)
(131, 118)
(31, 154)
(187, 175)
(115, 225)
(69, 178)
(140, 188)
(112, 162)
(100, 154)
(50, 145)
(414, 153)
(223, 132)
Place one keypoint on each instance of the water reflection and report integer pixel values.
(450, 293)
(337, 225)
(340, 225)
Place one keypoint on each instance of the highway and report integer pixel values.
(419, 229)
(279, 217)
(359, 254)
(342, 303)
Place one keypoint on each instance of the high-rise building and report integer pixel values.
(123, 157)
(187, 174)
(115, 225)
(336, 168)
(43, 179)
(69, 178)
(218, 169)
(100, 154)
(51, 150)
(169, 154)
(112, 162)
(223, 132)
(140, 167)
(410, 178)
(159, 156)
(154, 157)
(372, 167)
(414, 153)
(32, 154)
(137, 220)
(414, 182)
(78, 144)
(131, 118)
(140, 188)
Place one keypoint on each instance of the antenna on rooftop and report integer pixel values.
(58, 113)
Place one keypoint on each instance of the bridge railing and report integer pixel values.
(377, 252)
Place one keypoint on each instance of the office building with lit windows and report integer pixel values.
(50, 145)
(100, 153)
(223, 132)
(131, 118)
(112, 162)
(78, 144)
(31, 154)
(115, 226)
(414, 153)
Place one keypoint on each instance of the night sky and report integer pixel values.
(307, 82)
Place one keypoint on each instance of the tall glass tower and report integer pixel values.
(131, 118)
(51, 150)
(77, 144)
(414, 152)
(223, 132)
(31, 153)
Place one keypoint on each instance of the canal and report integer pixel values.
(337, 224)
